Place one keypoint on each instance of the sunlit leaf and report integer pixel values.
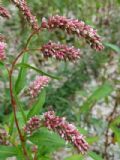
(47, 141)
(7, 151)
(115, 126)
(37, 106)
(75, 157)
(94, 156)
(100, 93)
(113, 47)
(37, 70)
(21, 79)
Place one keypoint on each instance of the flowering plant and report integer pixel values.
(41, 134)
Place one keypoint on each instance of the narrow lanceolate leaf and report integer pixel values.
(1, 64)
(37, 106)
(47, 141)
(20, 106)
(75, 157)
(37, 70)
(21, 79)
(113, 47)
(11, 124)
(4, 71)
(7, 151)
(100, 93)
(95, 156)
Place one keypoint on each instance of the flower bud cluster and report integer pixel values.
(32, 125)
(23, 7)
(4, 137)
(36, 86)
(4, 12)
(74, 26)
(60, 51)
(2, 50)
(66, 130)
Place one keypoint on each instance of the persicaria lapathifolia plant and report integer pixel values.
(61, 52)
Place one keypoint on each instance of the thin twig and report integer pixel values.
(109, 119)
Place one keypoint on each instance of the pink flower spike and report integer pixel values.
(2, 50)
(74, 26)
(32, 125)
(60, 51)
(4, 137)
(66, 130)
(4, 12)
(38, 85)
(23, 7)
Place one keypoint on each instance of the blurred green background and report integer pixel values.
(88, 90)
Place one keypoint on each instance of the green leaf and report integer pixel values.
(113, 47)
(37, 70)
(37, 106)
(4, 71)
(75, 157)
(1, 64)
(94, 156)
(116, 129)
(7, 151)
(47, 141)
(21, 79)
(20, 155)
(10, 121)
(100, 93)
(82, 131)
(20, 106)
(91, 140)
(11, 124)
(118, 1)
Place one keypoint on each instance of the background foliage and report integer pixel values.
(88, 92)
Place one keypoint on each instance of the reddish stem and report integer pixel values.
(13, 102)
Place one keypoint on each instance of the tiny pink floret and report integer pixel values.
(2, 50)
(23, 7)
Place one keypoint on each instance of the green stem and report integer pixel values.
(20, 108)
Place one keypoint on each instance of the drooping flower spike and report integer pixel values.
(23, 7)
(74, 26)
(37, 85)
(59, 125)
(4, 12)
(60, 51)
(2, 50)
(66, 130)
